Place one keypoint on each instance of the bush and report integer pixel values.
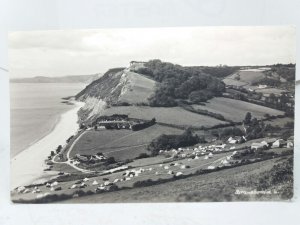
(110, 160)
(143, 183)
(144, 125)
(142, 156)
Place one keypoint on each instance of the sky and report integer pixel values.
(81, 52)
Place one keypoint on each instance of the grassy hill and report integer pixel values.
(138, 88)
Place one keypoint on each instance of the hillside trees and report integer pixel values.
(177, 82)
(167, 142)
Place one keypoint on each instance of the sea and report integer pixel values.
(35, 109)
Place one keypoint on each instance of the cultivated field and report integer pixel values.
(236, 110)
(246, 77)
(231, 81)
(121, 144)
(138, 89)
(172, 115)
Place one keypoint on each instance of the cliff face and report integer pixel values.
(117, 86)
(106, 88)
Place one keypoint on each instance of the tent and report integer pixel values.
(73, 186)
(178, 174)
(54, 184)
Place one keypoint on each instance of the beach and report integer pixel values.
(35, 110)
(28, 165)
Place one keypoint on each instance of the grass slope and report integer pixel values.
(216, 186)
(121, 144)
(236, 110)
(171, 115)
(139, 88)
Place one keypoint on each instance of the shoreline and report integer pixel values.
(56, 121)
(27, 166)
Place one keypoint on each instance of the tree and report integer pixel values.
(267, 116)
(110, 160)
(248, 118)
(58, 149)
(174, 141)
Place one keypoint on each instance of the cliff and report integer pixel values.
(118, 86)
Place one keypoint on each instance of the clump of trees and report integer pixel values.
(202, 112)
(142, 156)
(177, 82)
(140, 126)
(226, 132)
(286, 71)
(167, 142)
(253, 127)
(268, 81)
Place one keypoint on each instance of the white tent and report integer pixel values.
(183, 166)
(179, 174)
(54, 184)
(74, 186)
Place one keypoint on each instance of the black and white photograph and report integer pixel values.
(152, 115)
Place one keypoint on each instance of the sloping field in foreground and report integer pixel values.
(216, 186)
(121, 144)
(169, 115)
(236, 110)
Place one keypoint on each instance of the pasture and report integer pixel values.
(170, 115)
(236, 110)
(138, 89)
(121, 144)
